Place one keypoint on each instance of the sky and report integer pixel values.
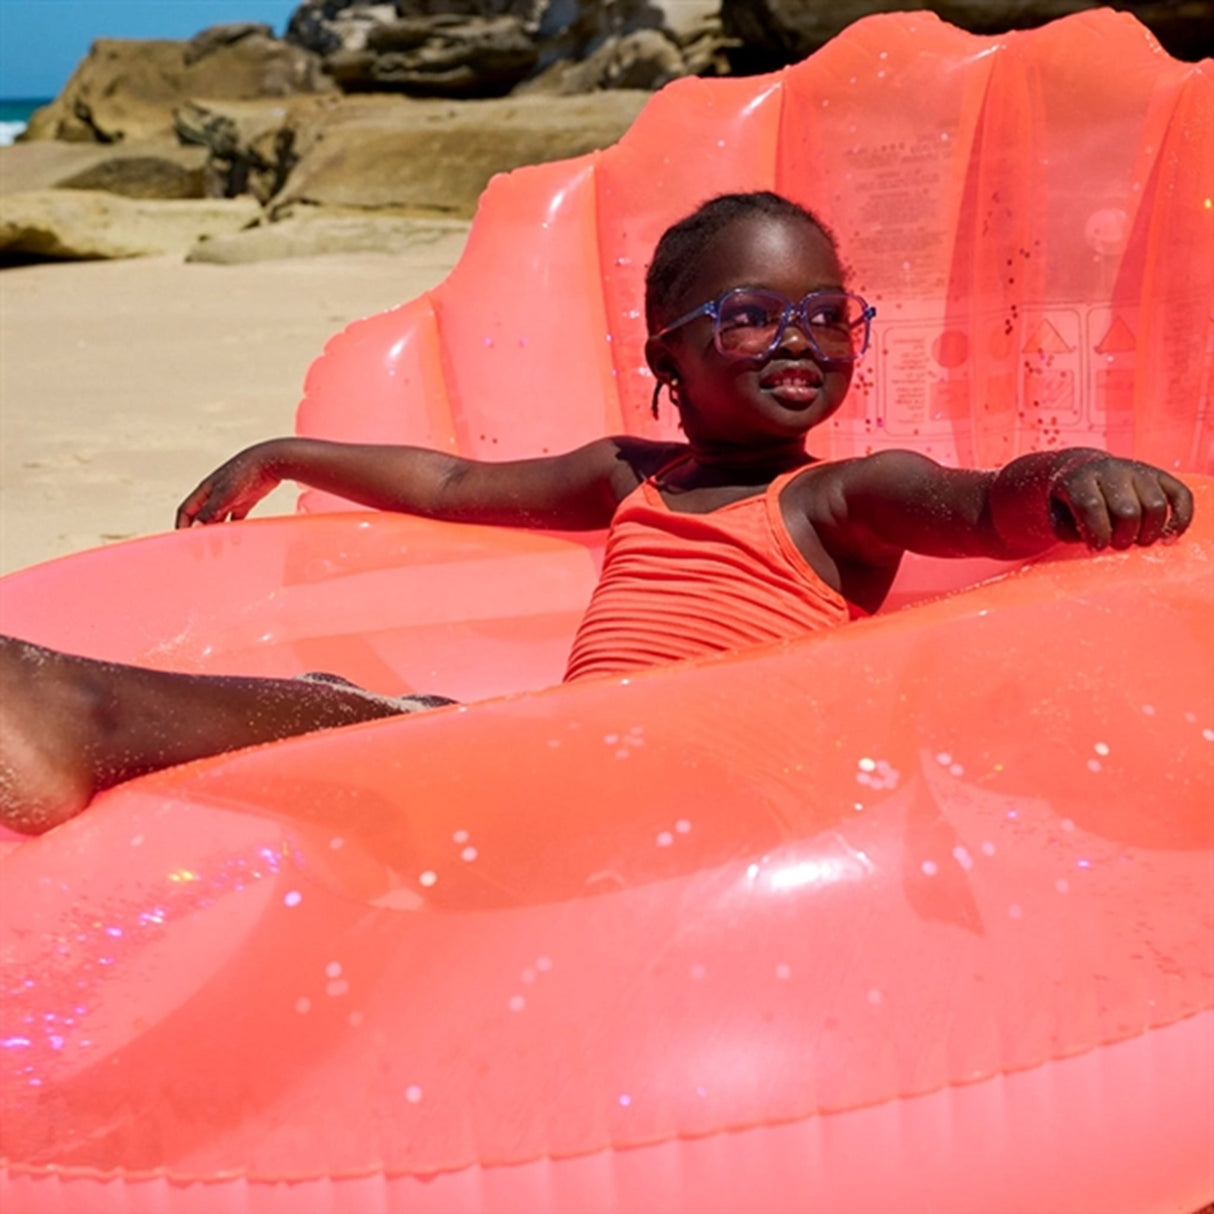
(41, 41)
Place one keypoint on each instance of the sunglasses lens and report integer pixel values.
(837, 324)
(748, 321)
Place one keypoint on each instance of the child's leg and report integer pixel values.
(71, 726)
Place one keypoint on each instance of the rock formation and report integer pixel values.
(485, 48)
(435, 157)
(643, 59)
(88, 224)
(140, 168)
(140, 177)
(396, 154)
(126, 89)
(398, 111)
(442, 56)
(250, 145)
(771, 33)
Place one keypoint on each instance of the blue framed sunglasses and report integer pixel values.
(749, 322)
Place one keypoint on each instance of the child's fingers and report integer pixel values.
(1180, 502)
(1120, 503)
(1131, 503)
(1080, 492)
(207, 504)
(1154, 504)
(230, 492)
(1144, 504)
(188, 511)
(211, 503)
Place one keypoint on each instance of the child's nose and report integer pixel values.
(795, 337)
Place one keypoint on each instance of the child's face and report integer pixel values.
(753, 403)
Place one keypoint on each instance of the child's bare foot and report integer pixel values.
(71, 726)
(47, 705)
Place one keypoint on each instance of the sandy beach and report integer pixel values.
(122, 383)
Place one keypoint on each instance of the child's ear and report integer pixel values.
(660, 360)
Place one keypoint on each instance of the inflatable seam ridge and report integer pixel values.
(615, 394)
(442, 408)
(388, 1172)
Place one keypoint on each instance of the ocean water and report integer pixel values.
(14, 114)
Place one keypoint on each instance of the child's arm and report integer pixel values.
(575, 491)
(873, 509)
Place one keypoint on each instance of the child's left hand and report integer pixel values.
(1103, 501)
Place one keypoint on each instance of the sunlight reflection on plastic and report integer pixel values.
(827, 871)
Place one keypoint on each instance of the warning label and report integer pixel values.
(1051, 366)
(1045, 339)
(1113, 342)
(1118, 337)
(1058, 375)
(898, 197)
(925, 379)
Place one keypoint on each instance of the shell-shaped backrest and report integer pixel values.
(1032, 214)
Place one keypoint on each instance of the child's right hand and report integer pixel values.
(235, 487)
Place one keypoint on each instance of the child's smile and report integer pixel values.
(797, 384)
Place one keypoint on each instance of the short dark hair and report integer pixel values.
(674, 259)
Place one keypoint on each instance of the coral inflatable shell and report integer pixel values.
(912, 915)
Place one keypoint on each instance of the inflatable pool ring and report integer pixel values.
(913, 915)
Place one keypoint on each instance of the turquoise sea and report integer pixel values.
(14, 114)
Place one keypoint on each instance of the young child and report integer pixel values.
(733, 537)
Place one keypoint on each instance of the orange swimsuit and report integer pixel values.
(680, 586)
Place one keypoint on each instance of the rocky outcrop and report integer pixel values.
(435, 157)
(137, 167)
(440, 56)
(771, 33)
(703, 42)
(217, 38)
(140, 177)
(250, 145)
(399, 154)
(126, 90)
(342, 164)
(486, 48)
(575, 29)
(1185, 28)
(84, 224)
(645, 59)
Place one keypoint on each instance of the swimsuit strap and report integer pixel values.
(681, 458)
(649, 489)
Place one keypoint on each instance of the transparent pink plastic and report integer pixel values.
(914, 915)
